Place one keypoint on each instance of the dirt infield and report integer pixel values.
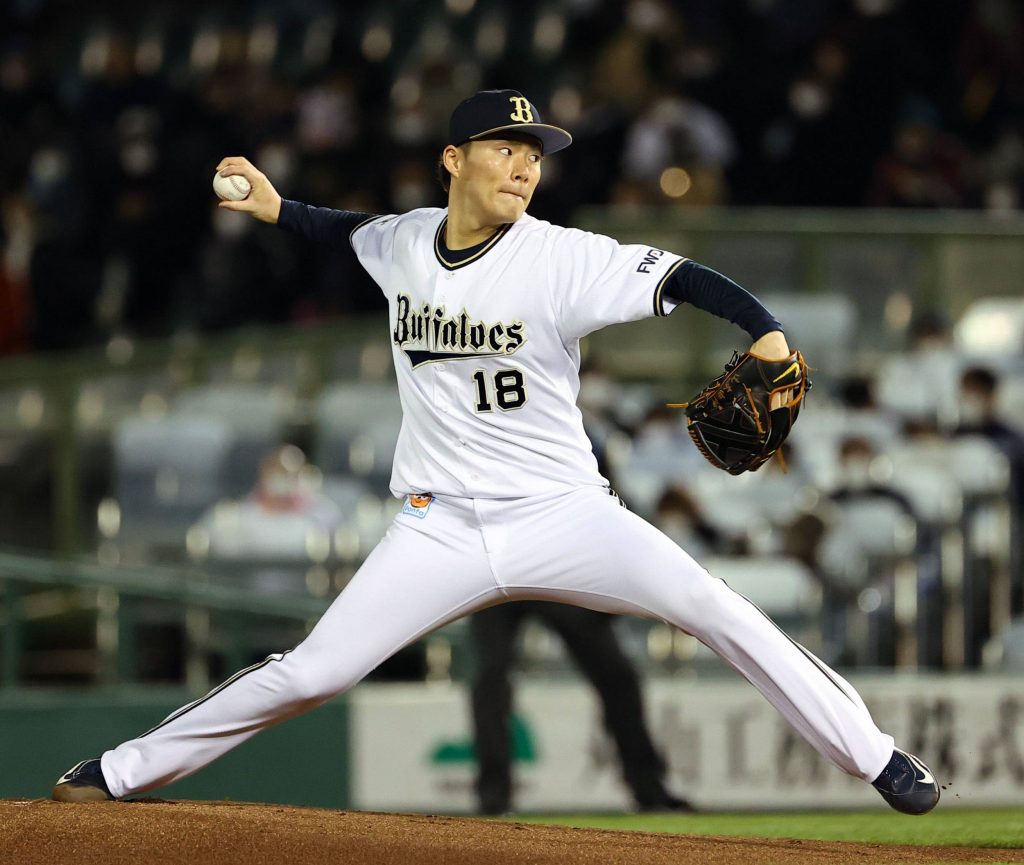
(148, 832)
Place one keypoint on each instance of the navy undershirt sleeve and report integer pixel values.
(321, 224)
(707, 289)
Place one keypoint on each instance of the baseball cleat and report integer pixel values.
(907, 784)
(665, 804)
(82, 783)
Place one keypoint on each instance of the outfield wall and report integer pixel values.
(409, 748)
(726, 746)
(42, 734)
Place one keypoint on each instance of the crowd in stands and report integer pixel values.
(916, 470)
(112, 119)
(898, 504)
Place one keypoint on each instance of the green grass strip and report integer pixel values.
(953, 827)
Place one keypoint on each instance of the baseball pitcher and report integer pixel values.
(502, 495)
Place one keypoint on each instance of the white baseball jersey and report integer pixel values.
(487, 351)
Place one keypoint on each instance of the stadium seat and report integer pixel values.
(1010, 399)
(921, 473)
(821, 326)
(104, 400)
(167, 471)
(1005, 651)
(784, 590)
(934, 393)
(357, 427)
(258, 419)
(870, 543)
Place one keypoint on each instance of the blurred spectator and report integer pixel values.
(679, 149)
(13, 324)
(242, 276)
(818, 148)
(328, 118)
(990, 67)
(622, 71)
(857, 479)
(661, 454)
(858, 555)
(977, 404)
(14, 240)
(680, 517)
(863, 415)
(925, 168)
(284, 520)
(920, 385)
(1002, 170)
(111, 134)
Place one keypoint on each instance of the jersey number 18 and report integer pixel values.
(509, 390)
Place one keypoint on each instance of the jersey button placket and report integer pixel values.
(439, 300)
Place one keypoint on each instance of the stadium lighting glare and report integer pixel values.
(675, 182)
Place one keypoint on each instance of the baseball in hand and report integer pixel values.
(233, 188)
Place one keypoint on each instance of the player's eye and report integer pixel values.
(506, 150)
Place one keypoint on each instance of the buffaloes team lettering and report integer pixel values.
(427, 334)
(650, 259)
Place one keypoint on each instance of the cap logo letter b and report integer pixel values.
(522, 113)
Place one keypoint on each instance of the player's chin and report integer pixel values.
(512, 207)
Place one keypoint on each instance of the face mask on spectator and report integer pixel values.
(856, 473)
(973, 410)
(282, 485)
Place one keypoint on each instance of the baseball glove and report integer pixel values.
(732, 422)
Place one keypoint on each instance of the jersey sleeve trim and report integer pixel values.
(356, 228)
(659, 307)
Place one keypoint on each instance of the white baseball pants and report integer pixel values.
(580, 547)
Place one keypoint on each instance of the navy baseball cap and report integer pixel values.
(490, 112)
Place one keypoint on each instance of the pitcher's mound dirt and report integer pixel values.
(147, 832)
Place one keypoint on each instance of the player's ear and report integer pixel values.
(453, 158)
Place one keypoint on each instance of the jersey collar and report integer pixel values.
(453, 259)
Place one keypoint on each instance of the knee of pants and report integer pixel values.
(707, 601)
(311, 679)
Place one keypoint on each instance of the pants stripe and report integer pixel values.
(810, 657)
(195, 703)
